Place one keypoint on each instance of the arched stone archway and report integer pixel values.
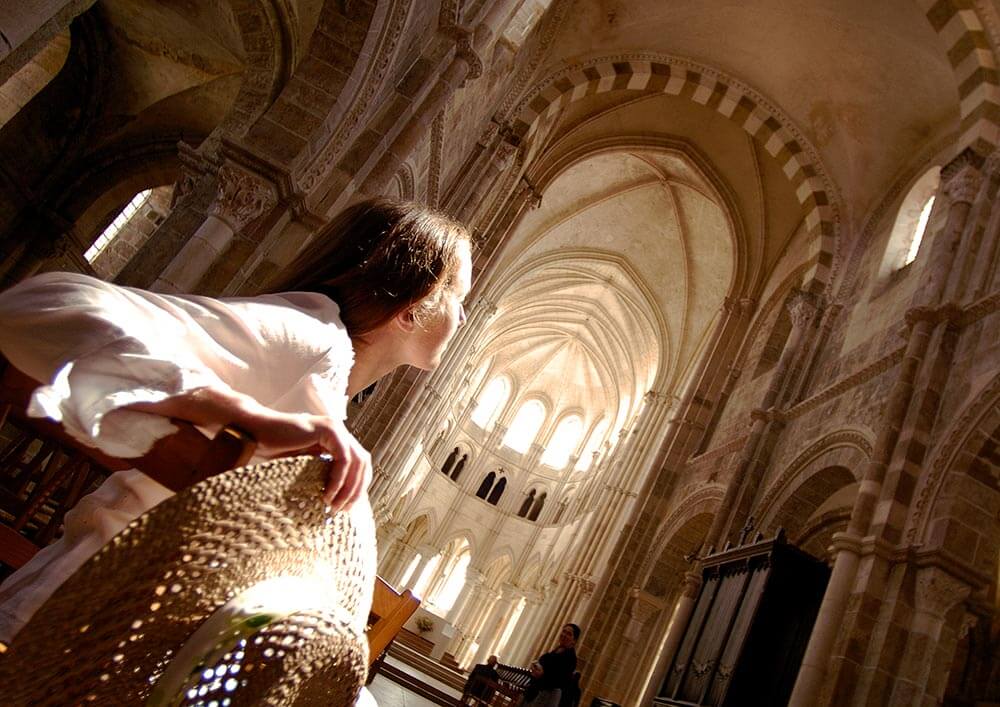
(709, 87)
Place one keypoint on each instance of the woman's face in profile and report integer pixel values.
(432, 335)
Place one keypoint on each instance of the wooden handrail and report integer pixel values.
(177, 461)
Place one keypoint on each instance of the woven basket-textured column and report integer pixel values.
(241, 590)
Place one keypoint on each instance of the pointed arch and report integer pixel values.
(497, 492)
(733, 99)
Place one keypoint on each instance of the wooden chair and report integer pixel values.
(390, 610)
(44, 472)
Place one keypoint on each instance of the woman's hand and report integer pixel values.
(279, 434)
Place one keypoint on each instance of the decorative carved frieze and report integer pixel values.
(875, 368)
(323, 162)
(241, 197)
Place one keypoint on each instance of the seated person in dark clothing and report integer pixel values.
(476, 686)
(553, 671)
(571, 692)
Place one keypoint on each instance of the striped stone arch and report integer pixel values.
(710, 88)
(971, 57)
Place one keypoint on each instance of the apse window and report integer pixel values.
(116, 226)
(491, 402)
(524, 428)
(911, 223)
(564, 442)
(918, 232)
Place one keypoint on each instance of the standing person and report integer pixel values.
(382, 285)
(553, 671)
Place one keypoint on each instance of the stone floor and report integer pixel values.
(389, 694)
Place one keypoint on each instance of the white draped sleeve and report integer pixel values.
(98, 348)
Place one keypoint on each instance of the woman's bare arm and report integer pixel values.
(277, 433)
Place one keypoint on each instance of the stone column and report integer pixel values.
(462, 613)
(936, 594)
(390, 549)
(441, 574)
(525, 632)
(495, 624)
(960, 188)
(634, 659)
(675, 631)
(984, 274)
(475, 621)
(241, 198)
(466, 64)
(802, 308)
(427, 553)
(499, 161)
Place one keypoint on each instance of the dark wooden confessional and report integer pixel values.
(749, 628)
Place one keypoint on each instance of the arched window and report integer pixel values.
(491, 401)
(116, 226)
(448, 593)
(525, 426)
(537, 507)
(910, 225)
(457, 471)
(486, 485)
(497, 492)
(450, 462)
(529, 499)
(564, 442)
(593, 445)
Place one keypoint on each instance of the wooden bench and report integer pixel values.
(44, 472)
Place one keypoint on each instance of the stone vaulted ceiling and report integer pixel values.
(612, 282)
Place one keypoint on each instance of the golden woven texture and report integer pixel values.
(108, 633)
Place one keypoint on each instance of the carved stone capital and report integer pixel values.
(241, 197)
(691, 584)
(802, 307)
(991, 167)
(51, 248)
(642, 606)
(653, 396)
(963, 185)
(948, 312)
(937, 591)
(183, 188)
(505, 153)
(968, 622)
(530, 194)
(465, 50)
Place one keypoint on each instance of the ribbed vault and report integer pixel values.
(611, 286)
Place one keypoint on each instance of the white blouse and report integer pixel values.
(98, 347)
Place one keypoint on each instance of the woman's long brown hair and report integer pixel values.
(376, 259)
